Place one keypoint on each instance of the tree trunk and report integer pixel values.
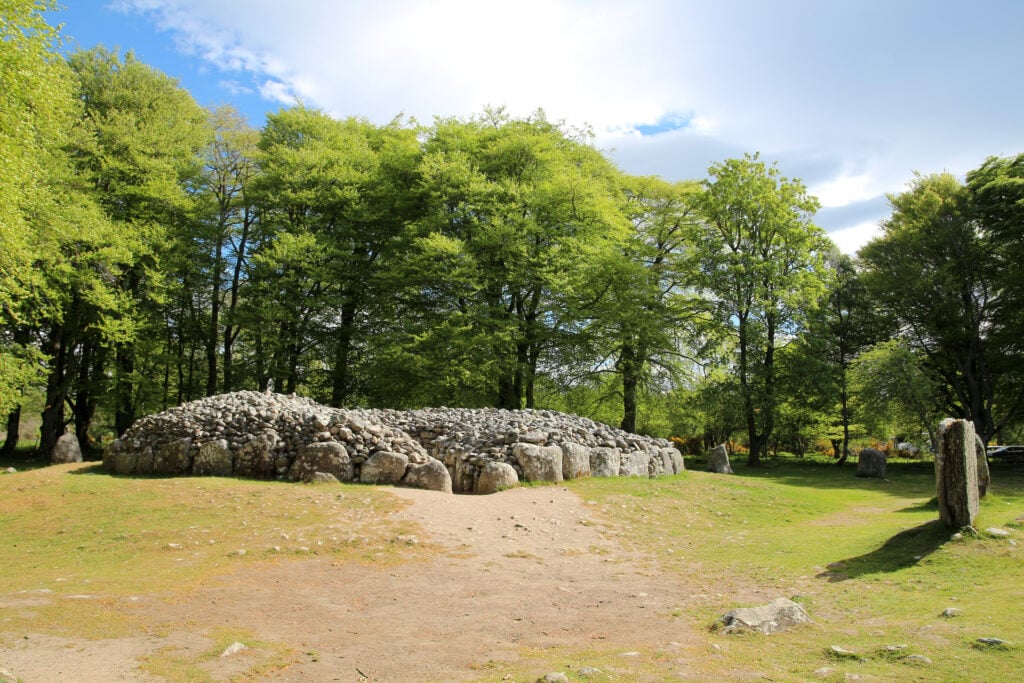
(630, 371)
(13, 430)
(52, 426)
(124, 388)
(341, 389)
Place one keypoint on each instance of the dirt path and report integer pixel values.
(523, 568)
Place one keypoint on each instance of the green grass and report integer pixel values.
(869, 560)
(74, 531)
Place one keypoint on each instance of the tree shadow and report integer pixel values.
(903, 550)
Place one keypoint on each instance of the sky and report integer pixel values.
(853, 97)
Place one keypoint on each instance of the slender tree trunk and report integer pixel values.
(56, 392)
(124, 392)
(341, 389)
(212, 333)
(13, 430)
(630, 372)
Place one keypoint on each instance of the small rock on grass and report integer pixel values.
(233, 649)
(10, 470)
(950, 612)
(917, 659)
(998, 533)
(589, 672)
(557, 677)
(992, 642)
(841, 651)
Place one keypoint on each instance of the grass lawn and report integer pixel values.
(868, 559)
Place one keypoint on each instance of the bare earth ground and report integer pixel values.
(526, 568)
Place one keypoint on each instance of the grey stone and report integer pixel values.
(256, 459)
(173, 458)
(984, 476)
(634, 464)
(718, 460)
(496, 476)
(432, 475)
(871, 464)
(328, 456)
(66, 450)
(213, 459)
(780, 614)
(539, 463)
(384, 467)
(557, 677)
(956, 474)
(604, 461)
(323, 478)
(998, 533)
(575, 461)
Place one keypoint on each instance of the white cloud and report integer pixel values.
(851, 239)
(851, 104)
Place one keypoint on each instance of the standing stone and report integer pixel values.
(575, 461)
(984, 477)
(66, 450)
(604, 461)
(539, 463)
(956, 473)
(871, 464)
(718, 460)
(384, 467)
(496, 476)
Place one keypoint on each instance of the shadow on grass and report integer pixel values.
(903, 550)
(903, 479)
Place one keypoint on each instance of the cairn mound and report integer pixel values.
(272, 436)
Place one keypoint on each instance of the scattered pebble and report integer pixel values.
(842, 651)
(917, 659)
(951, 612)
(233, 649)
(589, 672)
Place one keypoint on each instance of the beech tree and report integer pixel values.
(932, 270)
(513, 212)
(760, 258)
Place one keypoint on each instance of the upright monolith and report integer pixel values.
(956, 474)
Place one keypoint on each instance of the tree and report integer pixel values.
(895, 397)
(37, 109)
(647, 303)
(333, 197)
(143, 136)
(839, 327)
(513, 213)
(931, 270)
(227, 237)
(760, 261)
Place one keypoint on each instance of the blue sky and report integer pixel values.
(851, 96)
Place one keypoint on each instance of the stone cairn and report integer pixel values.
(271, 436)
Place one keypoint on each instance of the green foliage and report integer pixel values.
(760, 259)
(931, 272)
